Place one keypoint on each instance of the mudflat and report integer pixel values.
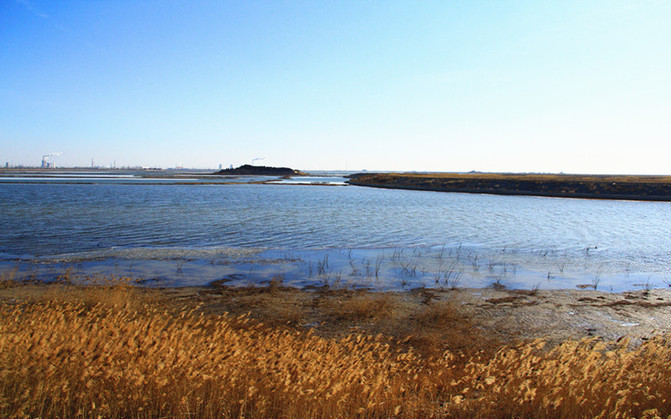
(507, 315)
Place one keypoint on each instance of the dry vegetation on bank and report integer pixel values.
(653, 188)
(545, 177)
(122, 351)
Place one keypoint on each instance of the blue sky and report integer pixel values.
(512, 86)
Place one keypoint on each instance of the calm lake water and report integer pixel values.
(306, 235)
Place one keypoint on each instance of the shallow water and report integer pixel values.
(174, 234)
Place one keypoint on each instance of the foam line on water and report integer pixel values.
(146, 253)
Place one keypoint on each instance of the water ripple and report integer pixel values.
(39, 220)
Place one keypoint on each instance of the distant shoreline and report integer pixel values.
(625, 187)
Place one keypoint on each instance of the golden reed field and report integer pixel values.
(119, 351)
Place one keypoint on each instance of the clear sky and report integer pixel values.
(514, 86)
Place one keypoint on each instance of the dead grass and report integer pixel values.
(532, 177)
(118, 351)
(8, 279)
(558, 185)
(359, 306)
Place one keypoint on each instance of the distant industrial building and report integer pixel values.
(46, 164)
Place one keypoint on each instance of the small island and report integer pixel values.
(248, 169)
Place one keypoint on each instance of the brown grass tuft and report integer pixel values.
(360, 306)
(8, 279)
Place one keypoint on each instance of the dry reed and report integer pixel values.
(114, 351)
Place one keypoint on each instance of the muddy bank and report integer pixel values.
(645, 188)
(477, 316)
(501, 315)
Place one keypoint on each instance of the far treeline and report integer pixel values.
(646, 188)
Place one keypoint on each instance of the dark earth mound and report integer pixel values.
(248, 169)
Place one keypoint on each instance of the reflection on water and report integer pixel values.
(337, 236)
